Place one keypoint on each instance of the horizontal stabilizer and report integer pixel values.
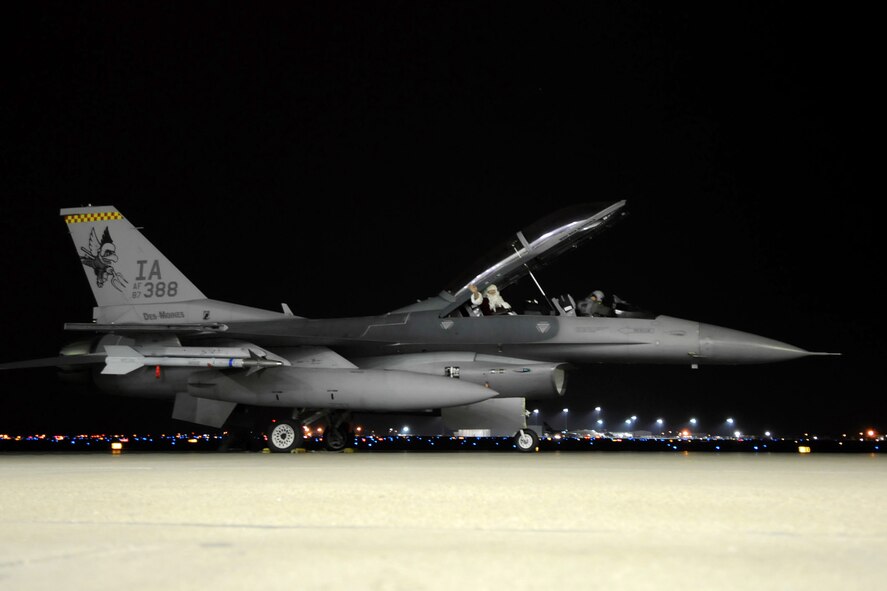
(136, 328)
(60, 361)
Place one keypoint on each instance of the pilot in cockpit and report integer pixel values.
(594, 305)
(490, 302)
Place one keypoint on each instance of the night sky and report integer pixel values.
(351, 158)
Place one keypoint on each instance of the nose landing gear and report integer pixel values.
(526, 440)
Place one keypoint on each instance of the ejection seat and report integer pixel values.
(565, 305)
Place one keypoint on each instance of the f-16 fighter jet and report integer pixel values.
(155, 334)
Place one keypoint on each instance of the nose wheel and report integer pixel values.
(526, 440)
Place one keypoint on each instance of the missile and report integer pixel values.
(122, 360)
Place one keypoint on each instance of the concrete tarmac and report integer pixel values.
(464, 520)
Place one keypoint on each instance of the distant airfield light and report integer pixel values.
(535, 411)
(659, 421)
(870, 433)
(767, 433)
(627, 421)
(405, 429)
(730, 420)
(692, 421)
(566, 410)
(597, 409)
(600, 422)
(737, 434)
(634, 417)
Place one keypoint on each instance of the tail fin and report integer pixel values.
(121, 265)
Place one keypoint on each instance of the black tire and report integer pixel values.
(336, 439)
(526, 440)
(284, 436)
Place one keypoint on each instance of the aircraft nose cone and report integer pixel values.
(727, 346)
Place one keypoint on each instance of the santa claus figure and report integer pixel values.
(490, 302)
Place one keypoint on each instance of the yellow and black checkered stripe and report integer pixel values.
(93, 217)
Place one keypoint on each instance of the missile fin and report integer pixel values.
(121, 351)
(121, 368)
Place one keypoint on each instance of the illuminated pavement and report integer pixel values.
(458, 520)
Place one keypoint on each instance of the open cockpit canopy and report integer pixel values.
(533, 248)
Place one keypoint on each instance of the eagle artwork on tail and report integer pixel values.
(100, 255)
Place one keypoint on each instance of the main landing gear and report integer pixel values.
(336, 438)
(286, 435)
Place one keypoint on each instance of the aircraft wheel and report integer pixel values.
(336, 438)
(284, 436)
(526, 440)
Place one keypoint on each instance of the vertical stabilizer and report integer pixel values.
(121, 265)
